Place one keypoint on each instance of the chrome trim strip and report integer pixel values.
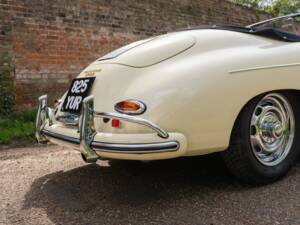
(273, 19)
(141, 148)
(136, 148)
(264, 68)
(133, 119)
(61, 137)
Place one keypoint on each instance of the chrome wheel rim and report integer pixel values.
(272, 129)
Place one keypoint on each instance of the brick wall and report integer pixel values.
(54, 40)
(7, 84)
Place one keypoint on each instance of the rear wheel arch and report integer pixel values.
(293, 92)
(241, 156)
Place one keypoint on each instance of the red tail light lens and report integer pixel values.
(115, 123)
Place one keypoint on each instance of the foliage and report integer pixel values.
(257, 4)
(278, 7)
(283, 7)
(19, 127)
(7, 86)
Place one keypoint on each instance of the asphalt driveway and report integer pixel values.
(53, 186)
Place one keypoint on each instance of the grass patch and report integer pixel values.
(18, 128)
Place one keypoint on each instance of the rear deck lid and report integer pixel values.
(152, 51)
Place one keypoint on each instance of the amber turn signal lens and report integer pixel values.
(130, 107)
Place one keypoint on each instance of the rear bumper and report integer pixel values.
(92, 144)
(138, 148)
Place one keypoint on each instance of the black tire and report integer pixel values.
(240, 157)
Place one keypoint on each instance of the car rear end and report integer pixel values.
(104, 133)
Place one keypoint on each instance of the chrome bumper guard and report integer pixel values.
(87, 132)
(44, 115)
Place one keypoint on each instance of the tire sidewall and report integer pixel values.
(272, 172)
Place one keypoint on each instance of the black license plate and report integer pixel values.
(80, 88)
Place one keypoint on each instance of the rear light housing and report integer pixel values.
(115, 123)
(130, 107)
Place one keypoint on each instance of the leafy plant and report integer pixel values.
(7, 85)
(283, 7)
(19, 128)
(278, 7)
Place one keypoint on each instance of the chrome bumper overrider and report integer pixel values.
(88, 146)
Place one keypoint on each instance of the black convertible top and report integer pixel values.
(266, 32)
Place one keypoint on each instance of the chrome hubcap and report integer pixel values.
(272, 129)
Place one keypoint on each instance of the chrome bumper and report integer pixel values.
(88, 146)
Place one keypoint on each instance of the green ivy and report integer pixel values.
(7, 85)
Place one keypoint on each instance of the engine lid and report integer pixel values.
(152, 51)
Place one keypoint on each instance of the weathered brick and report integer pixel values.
(52, 41)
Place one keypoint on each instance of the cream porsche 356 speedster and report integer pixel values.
(228, 89)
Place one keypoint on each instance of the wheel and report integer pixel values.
(265, 139)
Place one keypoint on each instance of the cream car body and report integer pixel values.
(194, 84)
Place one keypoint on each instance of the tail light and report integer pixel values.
(115, 123)
(130, 107)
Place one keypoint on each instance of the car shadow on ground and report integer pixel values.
(133, 192)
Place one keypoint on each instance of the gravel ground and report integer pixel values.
(51, 185)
